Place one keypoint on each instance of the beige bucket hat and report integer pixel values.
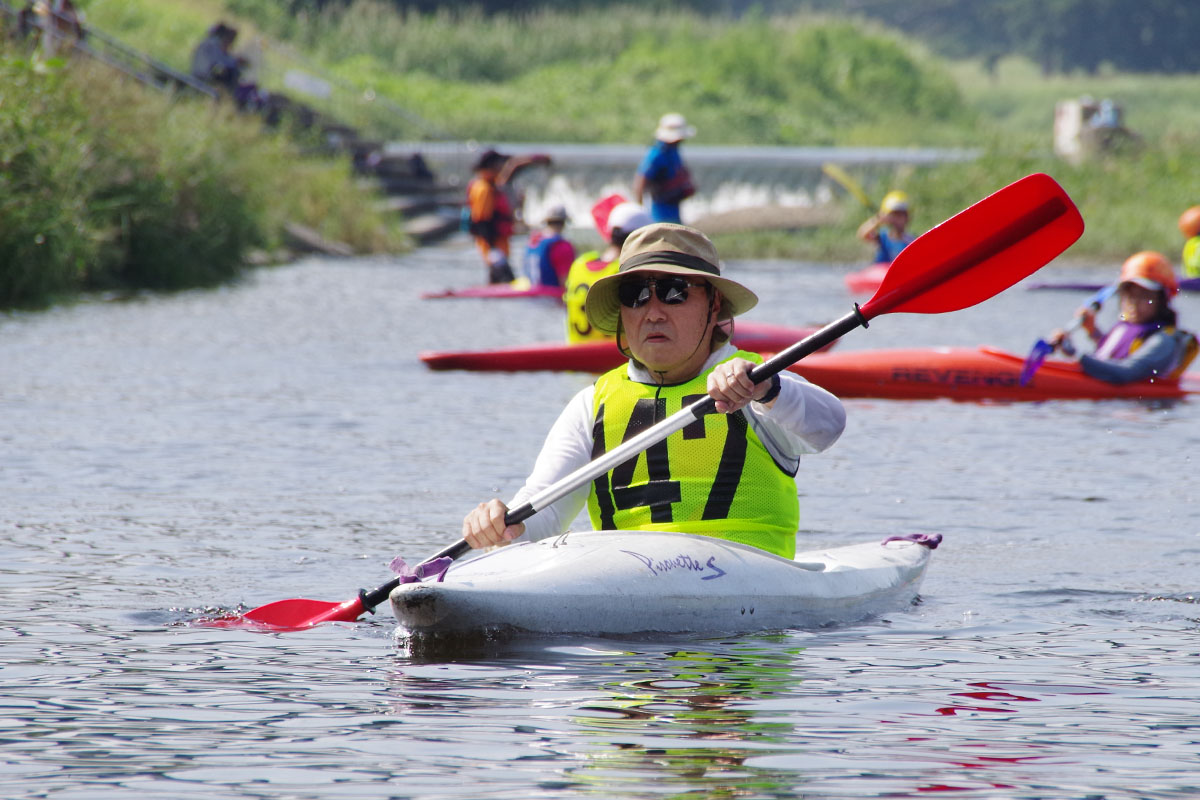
(673, 128)
(665, 248)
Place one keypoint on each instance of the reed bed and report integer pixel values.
(107, 185)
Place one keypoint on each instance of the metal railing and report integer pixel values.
(275, 66)
(100, 46)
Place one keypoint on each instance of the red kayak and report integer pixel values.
(966, 373)
(867, 280)
(496, 291)
(598, 356)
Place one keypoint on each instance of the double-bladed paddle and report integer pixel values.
(1041, 348)
(970, 257)
(849, 184)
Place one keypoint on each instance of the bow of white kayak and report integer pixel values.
(628, 582)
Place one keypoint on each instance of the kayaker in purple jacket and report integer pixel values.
(1146, 343)
(732, 476)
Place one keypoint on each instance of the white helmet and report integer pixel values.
(628, 217)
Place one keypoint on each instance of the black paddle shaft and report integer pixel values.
(680, 419)
(376, 596)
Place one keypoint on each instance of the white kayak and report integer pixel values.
(628, 582)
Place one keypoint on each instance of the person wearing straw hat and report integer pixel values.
(1146, 343)
(548, 255)
(732, 477)
(662, 172)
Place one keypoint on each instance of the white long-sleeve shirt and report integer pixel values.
(803, 419)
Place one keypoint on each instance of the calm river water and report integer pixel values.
(167, 456)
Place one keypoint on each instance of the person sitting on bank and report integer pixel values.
(1145, 344)
(731, 475)
(213, 62)
(549, 255)
(662, 172)
(624, 219)
(887, 229)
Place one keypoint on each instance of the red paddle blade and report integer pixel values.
(299, 613)
(981, 250)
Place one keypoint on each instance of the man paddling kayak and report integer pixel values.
(731, 477)
(1146, 344)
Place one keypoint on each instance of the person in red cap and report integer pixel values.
(622, 220)
(1146, 344)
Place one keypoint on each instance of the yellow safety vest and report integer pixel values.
(585, 270)
(1191, 257)
(713, 478)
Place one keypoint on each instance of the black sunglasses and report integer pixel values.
(670, 291)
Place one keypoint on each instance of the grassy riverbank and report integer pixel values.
(107, 185)
(606, 74)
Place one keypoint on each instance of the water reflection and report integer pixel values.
(689, 717)
(684, 718)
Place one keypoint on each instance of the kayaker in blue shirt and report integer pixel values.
(731, 477)
(548, 256)
(887, 229)
(662, 172)
(1146, 343)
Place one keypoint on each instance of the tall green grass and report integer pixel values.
(105, 184)
(606, 75)
(47, 241)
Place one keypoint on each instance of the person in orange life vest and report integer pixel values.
(491, 214)
(662, 172)
(886, 229)
(1145, 344)
(590, 267)
(731, 475)
(548, 256)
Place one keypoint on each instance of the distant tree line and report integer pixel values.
(1060, 35)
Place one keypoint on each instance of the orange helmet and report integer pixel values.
(1150, 270)
(1189, 222)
